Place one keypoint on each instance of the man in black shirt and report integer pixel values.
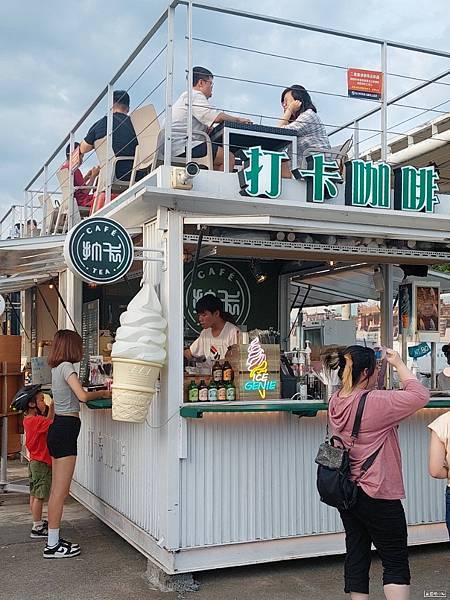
(124, 139)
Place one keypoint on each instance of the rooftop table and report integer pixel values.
(242, 135)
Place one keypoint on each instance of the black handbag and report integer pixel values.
(333, 472)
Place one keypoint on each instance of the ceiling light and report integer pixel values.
(258, 272)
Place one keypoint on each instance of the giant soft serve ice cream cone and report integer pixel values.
(138, 355)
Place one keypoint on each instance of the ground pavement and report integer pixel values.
(109, 568)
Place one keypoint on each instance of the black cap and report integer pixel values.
(24, 396)
(446, 349)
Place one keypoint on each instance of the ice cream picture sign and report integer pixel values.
(258, 370)
(99, 250)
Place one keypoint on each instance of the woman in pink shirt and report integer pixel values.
(378, 515)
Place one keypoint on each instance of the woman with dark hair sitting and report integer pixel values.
(299, 113)
(378, 515)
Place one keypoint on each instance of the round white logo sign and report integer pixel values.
(99, 250)
(2, 305)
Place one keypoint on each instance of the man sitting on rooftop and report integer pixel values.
(203, 119)
(124, 139)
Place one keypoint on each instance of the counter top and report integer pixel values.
(195, 410)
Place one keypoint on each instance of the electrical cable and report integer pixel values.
(16, 314)
(61, 299)
(46, 305)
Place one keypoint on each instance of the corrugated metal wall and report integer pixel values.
(250, 477)
(121, 464)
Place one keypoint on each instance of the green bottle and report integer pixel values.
(230, 392)
(212, 392)
(202, 392)
(193, 392)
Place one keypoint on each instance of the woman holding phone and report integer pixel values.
(378, 515)
(66, 351)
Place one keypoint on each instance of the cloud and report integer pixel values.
(58, 56)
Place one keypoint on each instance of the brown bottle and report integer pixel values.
(217, 372)
(228, 373)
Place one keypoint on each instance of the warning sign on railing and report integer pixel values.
(366, 84)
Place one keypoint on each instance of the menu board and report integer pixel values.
(90, 333)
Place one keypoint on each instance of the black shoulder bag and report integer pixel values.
(333, 472)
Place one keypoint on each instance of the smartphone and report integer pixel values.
(380, 355)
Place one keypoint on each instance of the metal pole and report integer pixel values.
(169, 86)
(386, 313)
(189, 82)
(356, 140)
(384, 105)
(45, 216)
(433, 366)
(4, 448)
(109, 176)
(71, 207)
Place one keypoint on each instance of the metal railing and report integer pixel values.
(44, 185)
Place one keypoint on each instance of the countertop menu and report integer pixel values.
(90, 333)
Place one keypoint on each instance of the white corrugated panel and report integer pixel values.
(250, 477)
(122, 463)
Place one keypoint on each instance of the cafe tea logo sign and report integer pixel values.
(366, 184)
(99, 250)
(224, 281)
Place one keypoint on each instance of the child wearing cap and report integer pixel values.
(38, 418)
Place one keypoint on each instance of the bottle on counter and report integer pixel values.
(213, 392)
(217, 372)
(222, 392)
(230, 390)
(193, 392)
(202, 391)
(228, 373)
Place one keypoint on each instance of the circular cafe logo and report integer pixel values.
(222, 280)
(99, 250)
(2, 305)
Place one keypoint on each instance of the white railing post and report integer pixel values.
(71, 206)
(384, 105)
(189, 82)
(356, 139)
(169, 86)
(109, 175)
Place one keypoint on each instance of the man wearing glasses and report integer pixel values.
(203, 119)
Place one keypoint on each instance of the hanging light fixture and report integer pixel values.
(258, 272)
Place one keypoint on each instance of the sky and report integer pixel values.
(55, 57)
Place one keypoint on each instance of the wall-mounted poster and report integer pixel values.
(427, 308)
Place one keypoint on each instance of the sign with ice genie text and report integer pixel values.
(367, 184)
(99, 250)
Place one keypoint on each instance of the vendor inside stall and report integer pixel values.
(218, 331)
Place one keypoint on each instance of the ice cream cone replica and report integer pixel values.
(138, 354)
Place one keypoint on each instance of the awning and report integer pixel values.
(27, 261)
(348, 284)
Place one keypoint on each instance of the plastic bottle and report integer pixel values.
(202, 392)
(302, 385)
(193, 392)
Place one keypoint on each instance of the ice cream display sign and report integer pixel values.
(258, 370)
(99, 250)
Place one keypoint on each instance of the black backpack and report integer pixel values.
(333, 472)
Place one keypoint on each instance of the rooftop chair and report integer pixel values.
(147, 128)
(206, 161)
(338, 153)
(49, 214)
(116, 184)
(79, 211)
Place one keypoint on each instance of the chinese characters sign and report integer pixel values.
(362, 83)
(99, 250)
(367, 184)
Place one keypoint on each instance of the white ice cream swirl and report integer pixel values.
(141, 335)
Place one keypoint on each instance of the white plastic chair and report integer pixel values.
(62, 218)
(49, 214)
(147, 128)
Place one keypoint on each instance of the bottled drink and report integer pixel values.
(202, 392)
(193, 392)
(222, 391)
(217, 372)
(212, 392)
(228, 374)
(230, 391)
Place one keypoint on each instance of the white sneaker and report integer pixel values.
(63, 549)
